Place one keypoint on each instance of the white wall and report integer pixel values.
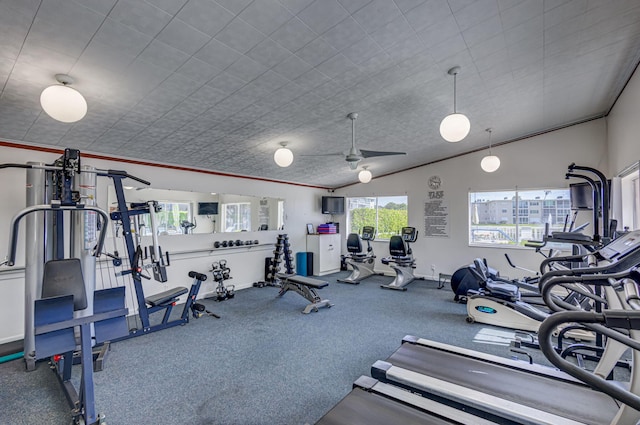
(623, 127)
(189, 252)
(537, 162)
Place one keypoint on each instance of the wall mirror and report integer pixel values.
(185, 212)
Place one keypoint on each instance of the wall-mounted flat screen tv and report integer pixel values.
(207, 208)
(332, 205)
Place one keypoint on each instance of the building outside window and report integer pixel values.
(511, 217)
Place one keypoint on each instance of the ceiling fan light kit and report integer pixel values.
(62, 103)
(490, 163)
(364, 175)
(454, 127)
(283, 156)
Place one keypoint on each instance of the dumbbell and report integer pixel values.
(239, 242)
(230, 243)
(256, 242)
(216, 244)
(248, 242)
(224, 244)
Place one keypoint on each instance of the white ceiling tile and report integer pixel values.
(198, 71)
(226, 83)
(316, 52)
(322, 15)
(376, 14)
(121, 37)
(269, 81)
(141, 16)
(161, 54)
(521, 13)
(437, 33)
(527, 30)
(265, 15)
(563, 13)
(344, 34)
(293, 35)
(295, 6)
(240, 36)
(448, 48)
(217, 54)
(393, 32)
(205, 15)
(339, 64)
(475, 13)
(353, 5)
(399, 80)
(67, 29)
(246, 69)
(268, 53)
(362, 50)
(170, 6)
(483, 31)
(235, 6)
(407, 5)
(311, 79)
(292, 67)
(183, 37)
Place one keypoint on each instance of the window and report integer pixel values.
(236, 217)
(512, 217)
(388, 214)
(169, 219)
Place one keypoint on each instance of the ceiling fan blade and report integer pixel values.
(324, 154)
(369, 154)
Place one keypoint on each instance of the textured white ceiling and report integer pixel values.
(219, 84)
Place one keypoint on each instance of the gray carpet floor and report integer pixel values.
(262, 362)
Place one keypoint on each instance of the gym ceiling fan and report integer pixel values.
(354, 155)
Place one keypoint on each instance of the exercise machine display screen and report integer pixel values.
(368, 233)
(409, 234)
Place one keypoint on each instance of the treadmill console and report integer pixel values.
(409, 234)
(621, 246)
(368, 233)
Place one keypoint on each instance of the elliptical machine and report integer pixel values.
(362, 263)
(401, 258)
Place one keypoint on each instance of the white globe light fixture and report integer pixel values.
(62, 103)
(490, 163)
(454, 127)
(283, 156)
(364, 175)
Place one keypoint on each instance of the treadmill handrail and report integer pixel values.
(545, 337)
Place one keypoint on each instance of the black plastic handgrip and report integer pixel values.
(127, 175)
(195, 275)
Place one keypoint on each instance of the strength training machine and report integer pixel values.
(64, 315)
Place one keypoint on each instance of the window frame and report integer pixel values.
(525, 213)
(376, 208)
(238, 220)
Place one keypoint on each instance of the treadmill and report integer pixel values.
(375, 403)
(480, 383)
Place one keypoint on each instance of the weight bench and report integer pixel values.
(306, 287)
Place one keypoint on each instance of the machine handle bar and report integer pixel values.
(15, 224)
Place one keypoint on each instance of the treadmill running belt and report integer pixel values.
(361, 407)
(572, 401)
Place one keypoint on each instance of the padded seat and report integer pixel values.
(165, 297)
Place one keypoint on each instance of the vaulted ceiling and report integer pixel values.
(219, 84)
